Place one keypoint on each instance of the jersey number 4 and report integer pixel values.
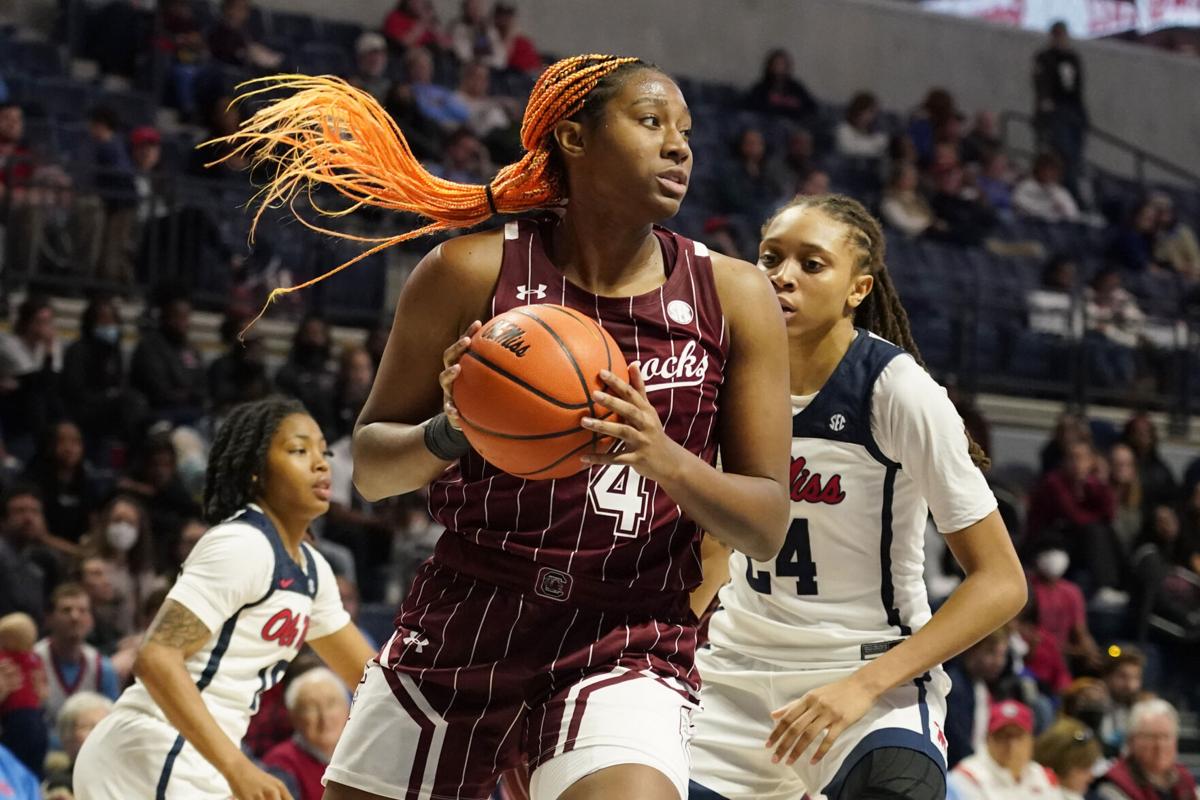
(794, 561)
(619, 491)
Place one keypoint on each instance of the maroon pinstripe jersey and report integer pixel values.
(605, 523)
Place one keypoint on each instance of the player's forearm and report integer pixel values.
(346, 652)
(984, 601)
(391, 458)
(164, 674)
(746, 512)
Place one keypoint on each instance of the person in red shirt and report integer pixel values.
(16, 166)
(318, 706)
(522, 54)
(412, 23)
(1062, 612)
(22, 723)
(1044, 661)
(1074, 503)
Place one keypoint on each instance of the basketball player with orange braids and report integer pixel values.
(551, 626)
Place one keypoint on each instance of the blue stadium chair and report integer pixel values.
(934, 335)
(36, 58)
(321, 58)
(132, 108)
(288, 27)
(62, 98)
(71, 139)
(343, 34)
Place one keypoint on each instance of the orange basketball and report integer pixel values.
(527, 381)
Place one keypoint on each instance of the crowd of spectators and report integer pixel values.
(1063, 700)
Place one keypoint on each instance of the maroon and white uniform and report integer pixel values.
(553, 616)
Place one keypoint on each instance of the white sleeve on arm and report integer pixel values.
(915, 424)
(232, 565)
(328, 615)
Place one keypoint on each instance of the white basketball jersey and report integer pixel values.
(848, 583)
(261, 606)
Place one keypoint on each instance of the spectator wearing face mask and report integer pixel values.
(1004, 769)
(93, 376)
(122, 539)
(1062, 612)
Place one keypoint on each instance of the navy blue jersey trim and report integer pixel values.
(921, 704)
(697, 791)
(841, 410)
(887, 588)
(160, 792)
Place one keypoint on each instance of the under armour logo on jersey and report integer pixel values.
(524, 292)
(837, 422)
(417, 641)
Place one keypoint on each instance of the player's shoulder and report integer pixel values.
(900, 376)
(459, 273)
(236, 539)
(743, 289)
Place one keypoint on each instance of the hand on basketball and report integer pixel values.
(830, 709)
(248, 782)
(450, 359)
(644, 444)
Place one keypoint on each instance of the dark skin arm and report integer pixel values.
(175, 636)
(745, 505)
(447, 292)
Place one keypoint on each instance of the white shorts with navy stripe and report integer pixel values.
(729, 754)
(134, 755)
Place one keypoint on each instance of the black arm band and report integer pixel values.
(444, 440)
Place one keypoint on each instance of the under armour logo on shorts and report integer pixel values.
(416, 640)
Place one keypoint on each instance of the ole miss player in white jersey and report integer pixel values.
(824, 672)
(250, 595)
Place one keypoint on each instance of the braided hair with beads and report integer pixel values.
(329, 133)
(881, 311)
(238, 457)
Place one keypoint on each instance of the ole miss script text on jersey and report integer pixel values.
(606, 522)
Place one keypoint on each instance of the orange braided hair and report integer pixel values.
(329, 132)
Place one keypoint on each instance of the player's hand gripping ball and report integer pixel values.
(524, 385)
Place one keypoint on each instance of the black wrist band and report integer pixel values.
(444, 440)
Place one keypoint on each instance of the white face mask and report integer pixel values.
(121, 535)
(1053, 563)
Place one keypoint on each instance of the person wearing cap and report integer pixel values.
(371, 62)
(1149, 768)
(145, 150)
(1005, 769)
(1071, 751)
